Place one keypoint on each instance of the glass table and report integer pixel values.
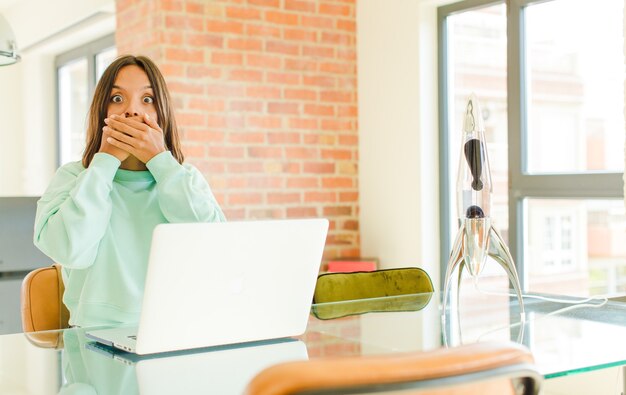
(565, 338)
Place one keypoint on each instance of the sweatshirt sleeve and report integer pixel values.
(183, 193)
(74, 212)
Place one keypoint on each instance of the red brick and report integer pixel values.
(173, 38)
(205, 40)
(300, 35)
(348, 196)
(171, 5)
(203, 72)
(245, 45)
(244, 198)
(320, 110)
(350, 225)
(300, 64)
(338, 68)
(283, 138)
(264, 61)
(302, 212)
(322, 81)
(247, 138)
(300, 94)
(226, 58)
(341, 154)
(283, 78)
(318, 52)
(281, 18)
(190, 150)
(226, 152)
(266, 213)
(246, 106)
(245, 167)
(320, 197)
(265, 3)
(264, 92)
(190, 119)
(349, 140)
(184, 22)
(225, 90)
(317, 22)
(346, 54)
(337, 211)
(172, 70)
(224, 27)
(347, 111)
(336, 9)
(301, 153)
(336, 96)
(205, 135)
(300, 5)
(337, 182)
(347, 25)
(265, 152)
(184, 55)
(180, 87)
(283, 198)
(234, 213)
(302, 123)
(283, 108)
(243, 13)
(283, 48)
(337, 125)
(246, 75)
(264, 31)
(194, 8)
(338, 39)
(264, 122)
(320, 139)
(235, 183)
(303, 182)
(265, 182)
(319, 167)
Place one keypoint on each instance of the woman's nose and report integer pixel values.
(129, 114)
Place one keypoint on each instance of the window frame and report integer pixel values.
(522, 185)
(89, 51)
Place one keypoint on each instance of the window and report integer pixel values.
(552, 99)
(77, 73)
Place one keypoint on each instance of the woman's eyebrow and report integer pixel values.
(122, 89)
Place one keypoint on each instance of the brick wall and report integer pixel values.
(265, 92)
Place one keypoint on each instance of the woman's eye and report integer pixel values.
(148, 100)
(116, 99)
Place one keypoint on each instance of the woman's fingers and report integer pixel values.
(152, 122)
(129, 126)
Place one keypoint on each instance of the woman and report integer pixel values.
(97, 216)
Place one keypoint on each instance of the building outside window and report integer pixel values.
(552, 97)
(77, 74)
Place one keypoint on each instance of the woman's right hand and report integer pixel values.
(108, 148)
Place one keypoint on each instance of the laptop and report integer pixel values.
(211, 284)
(220, 370)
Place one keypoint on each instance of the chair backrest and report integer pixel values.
(42, 300)
(481, 368)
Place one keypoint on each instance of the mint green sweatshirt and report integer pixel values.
(98, 222)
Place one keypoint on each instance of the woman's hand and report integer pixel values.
(144, 140)
(111, 149)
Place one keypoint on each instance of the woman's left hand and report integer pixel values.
(144, 140)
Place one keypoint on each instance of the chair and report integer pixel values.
(42, 300)
(480, 368)
(371, 288)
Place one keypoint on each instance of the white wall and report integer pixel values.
(398, 143)
(27, 100)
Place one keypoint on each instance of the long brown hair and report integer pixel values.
(100, 104)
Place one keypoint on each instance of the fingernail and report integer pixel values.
(147, 116)
(106, 120)
(109, 139)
